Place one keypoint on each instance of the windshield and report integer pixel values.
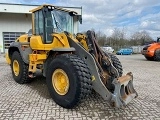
(62, 21)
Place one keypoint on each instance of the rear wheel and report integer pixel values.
(19, 69)
(157, 55)
(68, 80)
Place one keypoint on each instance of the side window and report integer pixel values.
(36, 26)
(38, 22)
(49, 27)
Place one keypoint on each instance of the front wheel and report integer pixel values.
(68, 80)
(117, 64)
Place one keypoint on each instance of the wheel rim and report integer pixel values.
(16, 67)
(60, 81)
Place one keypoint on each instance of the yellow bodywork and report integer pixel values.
(23, 38)
(59, 40)
(34, 60)
(82, 39)
(8, 60)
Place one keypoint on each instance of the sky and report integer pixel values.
(107, 15)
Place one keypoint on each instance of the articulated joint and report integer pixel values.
(35, 60)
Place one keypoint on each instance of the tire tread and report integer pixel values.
(24, 76)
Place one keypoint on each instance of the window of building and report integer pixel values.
(9, 37)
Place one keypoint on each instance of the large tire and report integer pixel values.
(76, 76)
(117, 64)
(19, 69)
(157, 55)
(149, 58)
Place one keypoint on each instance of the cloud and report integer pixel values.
(151, 23)
(105, 15)
(92, 18)
(10, 1)
(108, 31)
(144, 24)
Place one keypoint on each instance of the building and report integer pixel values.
(15, 20)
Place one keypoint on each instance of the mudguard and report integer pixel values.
(25, 51)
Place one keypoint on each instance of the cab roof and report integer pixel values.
(54, 7)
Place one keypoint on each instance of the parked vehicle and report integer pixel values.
(125, 51)
(107, 49)
(152, 51)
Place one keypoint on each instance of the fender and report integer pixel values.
(52, 52)
(71, 49)
(24, 52)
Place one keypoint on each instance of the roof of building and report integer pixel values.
(24, 8)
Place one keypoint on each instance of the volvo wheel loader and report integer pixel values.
(73, 65)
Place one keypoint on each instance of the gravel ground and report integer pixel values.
(32, 101)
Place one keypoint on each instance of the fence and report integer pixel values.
(136, 49)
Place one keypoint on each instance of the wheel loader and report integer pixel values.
(74, 65)
(152, 51)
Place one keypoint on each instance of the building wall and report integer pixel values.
(13, 22)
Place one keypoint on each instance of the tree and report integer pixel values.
(140, 38)
(118, 39)
(118, 34)
(101, 38)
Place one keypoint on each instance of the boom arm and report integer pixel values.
(123, 86)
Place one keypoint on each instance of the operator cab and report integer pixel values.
(158, 39)
(48, 19)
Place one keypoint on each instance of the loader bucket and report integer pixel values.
(124, 91)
